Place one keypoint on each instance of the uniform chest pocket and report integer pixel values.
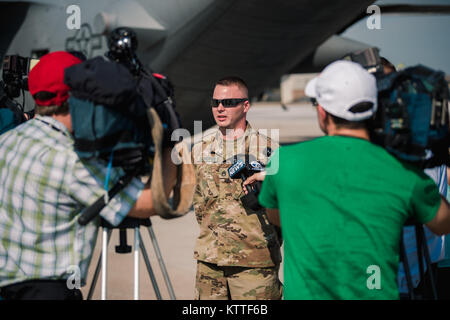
(227, 186)
(205, 180)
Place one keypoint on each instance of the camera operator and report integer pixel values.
(342, 200)
(15, 71)
(44, 188)
(435, 243)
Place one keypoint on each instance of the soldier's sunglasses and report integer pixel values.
(227, 103)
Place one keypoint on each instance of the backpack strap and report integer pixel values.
(185, 186)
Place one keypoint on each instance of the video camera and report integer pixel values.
(412, 120)
(111, 116)
(156, 89)
(122, 45)
(369, 59)
(242, 170)
(14, 80)
(15, 69)
(110, 113)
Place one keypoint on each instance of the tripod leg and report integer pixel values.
(94, 280)
(407, 271)
(150, 271)
(420, 252)
(161, 263)
(105, 240)
(136, 262)
(97, 271)
(428, 261)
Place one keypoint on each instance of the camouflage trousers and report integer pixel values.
(236, 283)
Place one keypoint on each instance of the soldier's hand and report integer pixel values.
(253, 178)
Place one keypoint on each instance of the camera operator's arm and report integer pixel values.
(143, 208)
(428, 206)
(268, 197)
(440, 224)
(274, 216)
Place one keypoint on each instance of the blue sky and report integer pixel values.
(409, 39)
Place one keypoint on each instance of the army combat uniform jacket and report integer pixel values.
(231, 235)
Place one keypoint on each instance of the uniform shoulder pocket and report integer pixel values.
(211, 189)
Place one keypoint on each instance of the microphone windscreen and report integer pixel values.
(235, 169)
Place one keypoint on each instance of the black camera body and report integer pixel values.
(122, 45)
(369, 59)
(156, 89)
(14, 80)
(242, 170)
(15, 70)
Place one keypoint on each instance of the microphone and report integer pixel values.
(242, 170)
(238, 171)
(235, 171)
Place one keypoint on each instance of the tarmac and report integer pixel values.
(176, 238)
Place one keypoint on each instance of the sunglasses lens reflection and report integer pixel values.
(227, 103)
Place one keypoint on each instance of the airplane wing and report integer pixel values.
(257, 40)
(194, 42)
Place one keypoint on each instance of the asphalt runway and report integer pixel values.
(176, 238)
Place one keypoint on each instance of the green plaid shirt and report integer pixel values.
(44, 187)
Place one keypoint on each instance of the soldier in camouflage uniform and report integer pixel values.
(238, 250)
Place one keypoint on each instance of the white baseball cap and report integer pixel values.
(342, 85)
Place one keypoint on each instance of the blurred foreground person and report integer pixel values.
(343, 200)
(436, 247)
(44, 188)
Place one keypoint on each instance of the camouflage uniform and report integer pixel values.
(231, 236)
(238, 283)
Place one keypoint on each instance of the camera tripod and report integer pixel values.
(422, 254)
(123, 247)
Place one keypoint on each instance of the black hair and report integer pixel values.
(80, 55)
(44, 95)
(357, 108)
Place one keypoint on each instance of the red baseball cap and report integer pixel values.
(48, 75)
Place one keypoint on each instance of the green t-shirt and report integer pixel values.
(343, 202)
(446, 262)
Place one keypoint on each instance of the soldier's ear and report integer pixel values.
(246, 106)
